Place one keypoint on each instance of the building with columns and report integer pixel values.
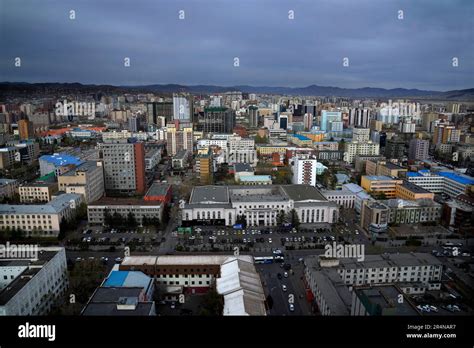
(260, 205)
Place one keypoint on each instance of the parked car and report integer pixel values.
(292, 307)
(285, 274)
(283, 287)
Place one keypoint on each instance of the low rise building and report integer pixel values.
(259, 205)
(380, 184)
(32, 286)
(342, 286)
(450, 183)
(159, 192)
(58, 163)
(8, 188)
(97, 211)
(344, 198)
(40, 220)
(234, 277)
(374, 216)
(413, 212)
(86, 179)
(37, 192)
(410, 191)
(123, 293)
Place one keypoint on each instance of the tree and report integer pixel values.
(294, 219)
(117, 220)
(131, 221)
(212, 304)
(281, 217)
(270, 301)
(108, 219)
(260, 140)
(241, 220)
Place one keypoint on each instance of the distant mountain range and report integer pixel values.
(312, 90)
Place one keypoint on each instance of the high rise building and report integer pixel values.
(156, 109)
(178, 137)
(304, 171)
(426, 120)
(355, 148)
(359, 117)
(253, 116)
(376, 125)
(361, 134)
(124, 166)
(407, 126)
(25, 129)
(418, 149)
(133, 124)
(204, 168)
(395, 148)
(308, 121)
(216, 120)
(327, 117)
(183, 107)
(445, 133)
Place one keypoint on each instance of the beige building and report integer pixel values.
(37, 192)
(87, 180)
(40, 220)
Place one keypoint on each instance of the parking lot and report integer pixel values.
(255, 239)
(100, 238)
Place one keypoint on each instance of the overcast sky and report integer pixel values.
(383, 51)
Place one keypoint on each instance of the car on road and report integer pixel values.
(118, 259)
(292, 307)
(173, 305)
(285, 274)
(283, 287)
(269, 240)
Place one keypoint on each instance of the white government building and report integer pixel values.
(260, 205)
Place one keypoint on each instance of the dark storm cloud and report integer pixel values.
(383, 51)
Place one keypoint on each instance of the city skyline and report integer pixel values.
(383, 51)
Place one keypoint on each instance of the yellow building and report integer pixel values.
(412, 192)
(375, 167)
(204, 167)
(268, 150)
(380, 184)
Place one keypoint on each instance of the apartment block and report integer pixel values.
(87, 179)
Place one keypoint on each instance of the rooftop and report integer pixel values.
(414, 188)
(460, 178)
(379, 178)
(124, 201)
(303, 193)
(84, 167)
(59, 159)
(252, 178)
(209, 194)
(301, 137)
(53, 207)
(243, 167)
(158, 189)
(382, 300)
